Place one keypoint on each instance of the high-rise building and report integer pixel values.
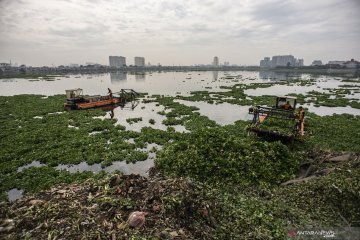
(283, 61)
(117, 61)
(139, 61)
(216, 61)
(266, 62)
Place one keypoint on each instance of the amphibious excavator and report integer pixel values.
(278, 122)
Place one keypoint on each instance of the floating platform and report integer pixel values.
(76, 100)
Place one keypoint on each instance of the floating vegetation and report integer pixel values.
(49, 140)
(185, 208)
(234, 95)
(336, 132)
(212, 182)
(218, 156)
(133, 120)
(283, 126)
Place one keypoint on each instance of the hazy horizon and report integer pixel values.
(179, 32)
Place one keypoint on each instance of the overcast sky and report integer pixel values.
(179, 32)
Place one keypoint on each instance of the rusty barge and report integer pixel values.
(76, 100)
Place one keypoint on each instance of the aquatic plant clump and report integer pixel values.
(215, 155)
(133, 120)
(337, 132)
(283, 126)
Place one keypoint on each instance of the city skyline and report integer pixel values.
(177, 32)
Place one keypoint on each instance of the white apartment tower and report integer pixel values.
(139, 61)
(283, 61)
(117, 61)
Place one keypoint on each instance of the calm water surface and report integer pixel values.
(168, 83)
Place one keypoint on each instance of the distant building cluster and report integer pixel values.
(344, 64)
(120, 61)
(291, 61)
(216, 63)
(316, 63)
(352, 64)
(281, 61)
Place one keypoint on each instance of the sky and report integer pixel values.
(177, 32)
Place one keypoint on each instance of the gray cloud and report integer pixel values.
(192, 31)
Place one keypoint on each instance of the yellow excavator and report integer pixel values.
(278, 122)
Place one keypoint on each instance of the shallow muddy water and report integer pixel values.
(223, 114)
(328, 111)
(145, 111)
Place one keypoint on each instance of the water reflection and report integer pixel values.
(328, 111)
(282, 76)
(139, 77)
(83, 166)
(223, 114)
(32, 164)
(118, 76)
(167, 83)
(128, 105)
(141, 167)
(215, 75)
(14, 194)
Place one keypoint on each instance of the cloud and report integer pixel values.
(253, 27)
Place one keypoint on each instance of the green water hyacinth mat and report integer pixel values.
(238, 185)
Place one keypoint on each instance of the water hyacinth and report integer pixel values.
(216, 155)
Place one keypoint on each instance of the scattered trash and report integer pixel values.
(111, 208)
(137, 219)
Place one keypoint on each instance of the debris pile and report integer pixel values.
(117, 207)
